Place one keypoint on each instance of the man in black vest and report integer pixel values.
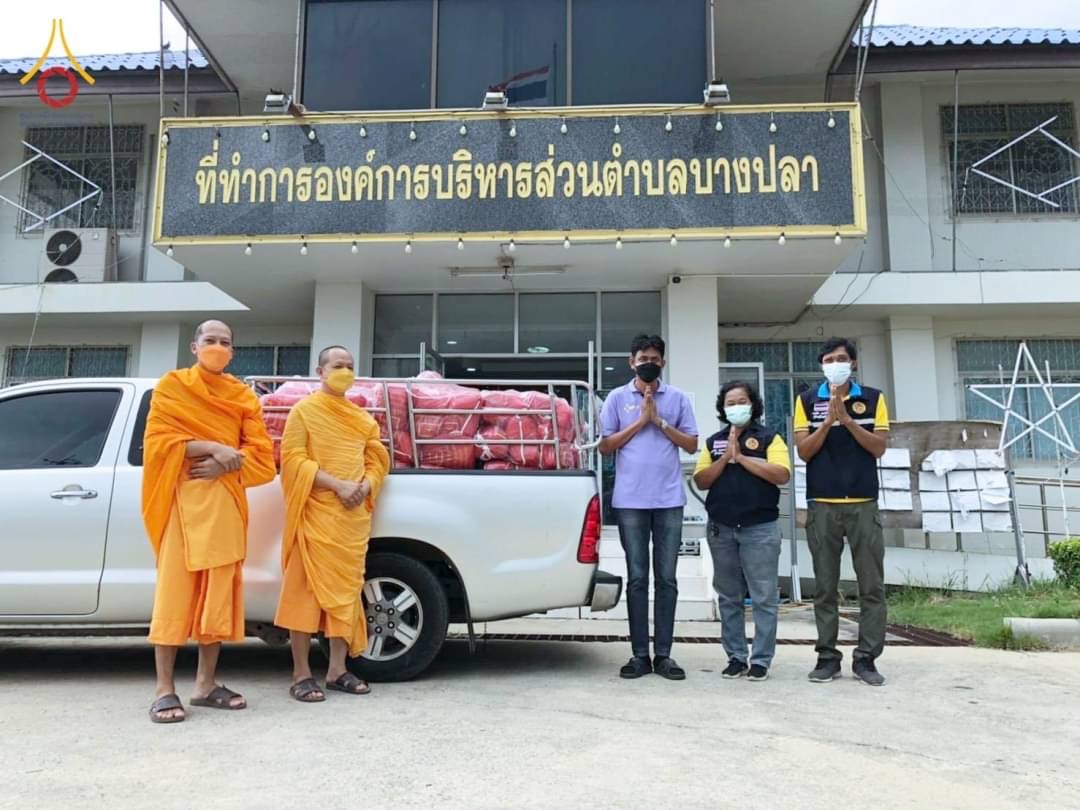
(841, 431)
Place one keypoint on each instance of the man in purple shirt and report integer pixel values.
(646, 422)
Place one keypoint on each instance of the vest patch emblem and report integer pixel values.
(752, 443)
(858, 408)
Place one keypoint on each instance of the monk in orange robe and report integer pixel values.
(205, 443)
(332, 468)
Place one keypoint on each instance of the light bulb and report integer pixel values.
(667, 125)
(354, 249)
(719, 124)
(832, 121)
(618, 243)
(169, 252)
(727, 241)
(562, 128)
(837, 240)
(165, 139)
(674, 241)
(363, 131)
(463, 130)
(248, 251)
(303, 249)
(511, 247)
(412, 133)
(266, 136)
(566, 243)
(408, 246)
(513, 130)
(311, 135)
(781, 241)
(616, 129)
(460, 244)
(772, 126)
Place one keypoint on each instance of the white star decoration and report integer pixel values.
(1061, 436)
(40, 220)
(1041, 196)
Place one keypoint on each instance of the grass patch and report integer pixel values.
(978, 616)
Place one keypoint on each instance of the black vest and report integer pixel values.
(842, 468)
(738, 497)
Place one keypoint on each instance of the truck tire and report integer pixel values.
(407, 614)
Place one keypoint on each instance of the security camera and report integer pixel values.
(676, 279)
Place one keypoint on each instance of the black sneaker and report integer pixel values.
(636, 667)
(865, 671)
(757, 673)
(666, 667)
(826, 671)
(735, 669)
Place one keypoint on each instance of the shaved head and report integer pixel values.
(325, 354)
(214, 326)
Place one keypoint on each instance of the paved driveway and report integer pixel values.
(545, 724)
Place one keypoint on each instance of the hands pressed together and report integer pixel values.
(222, 460)
(352, 493)
(838, 413)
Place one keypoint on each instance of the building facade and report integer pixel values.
(935, 271)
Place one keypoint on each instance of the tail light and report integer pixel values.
(588, 550)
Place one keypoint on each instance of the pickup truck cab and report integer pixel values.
(446, 545)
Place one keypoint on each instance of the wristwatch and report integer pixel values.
(664, 424)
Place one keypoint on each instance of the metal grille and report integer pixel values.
(781, 384)
(52, 362)
(269, 361)
(979, 361)
(86, 151)
(1033, 163)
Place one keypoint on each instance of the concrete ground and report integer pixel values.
(542, 724)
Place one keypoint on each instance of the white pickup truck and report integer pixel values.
(446, 546)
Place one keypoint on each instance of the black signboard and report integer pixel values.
(531, 174)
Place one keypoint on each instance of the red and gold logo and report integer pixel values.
(57, 71)
(752, 443)
(858, 408)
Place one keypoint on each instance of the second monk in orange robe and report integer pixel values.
(332, 467)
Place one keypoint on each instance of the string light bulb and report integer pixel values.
(674, 241)
(719, 124)
(782, 240)
(363, 131)
(165, 139)
(412, 132)
(408, 246)
(266, 136)
(837, 240)
(303, 249)
(511, 247)
(513, 130)
(247, 250)
(354, 249)
(832, 121)
(618, 243)
(311, 134)
(772, 123)
(667, 125)
(460, 243)
(463, 130)
(616, 129)
(566, 243)
(563, 128)
(727, 241)
(169, 252)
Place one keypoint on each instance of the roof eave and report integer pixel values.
(909, 59)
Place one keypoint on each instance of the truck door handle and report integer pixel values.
(81, 494)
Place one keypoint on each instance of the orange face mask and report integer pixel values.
(214, 358)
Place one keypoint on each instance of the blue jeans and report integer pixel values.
(635, 528)
(746, 557)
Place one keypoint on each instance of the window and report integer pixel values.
(639, 51)
(1035, 164)
(476, 324)
(985, 361)
(55, 429)
(368, 55)
(50, 362)
(790, 369)
(516, 45)
(86, 150)
(270, 361)
(556, 322)
(135, 450)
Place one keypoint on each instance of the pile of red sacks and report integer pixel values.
(484, 437)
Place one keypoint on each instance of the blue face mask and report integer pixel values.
(738, 415)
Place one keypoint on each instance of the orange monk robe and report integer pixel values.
(198, 528)
(324, 546)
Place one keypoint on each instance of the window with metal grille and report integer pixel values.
(25, 365)
(86, 150)
(1035, 163)
(992, 361)
(269, 361)
(790, 368)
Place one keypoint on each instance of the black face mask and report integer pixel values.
(648, 372)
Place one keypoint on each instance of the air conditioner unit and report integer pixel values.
(77, 254)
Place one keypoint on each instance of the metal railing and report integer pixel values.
(1046, 509)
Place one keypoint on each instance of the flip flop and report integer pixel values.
(163, 704)
(219, 698)
(305, 690)
(349, 684)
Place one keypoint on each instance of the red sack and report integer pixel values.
(375, 396)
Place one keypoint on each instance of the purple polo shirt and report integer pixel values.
(648, 473)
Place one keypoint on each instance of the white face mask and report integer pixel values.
(836, 373)
(738, 415)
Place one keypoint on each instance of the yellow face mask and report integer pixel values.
(340, 380)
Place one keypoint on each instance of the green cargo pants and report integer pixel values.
(826, 526)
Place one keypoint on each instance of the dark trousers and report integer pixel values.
(664, 526)
(827, 524)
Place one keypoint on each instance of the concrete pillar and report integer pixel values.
(693, 346)
(905, 153)
(159, 348)
(914, 368)
(340, 311)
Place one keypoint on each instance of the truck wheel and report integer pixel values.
(407, 615)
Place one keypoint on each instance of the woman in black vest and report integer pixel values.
(743, 467)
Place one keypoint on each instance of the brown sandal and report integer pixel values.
(164, 704)
(349, 684)
(220, 697)
(307, 691)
